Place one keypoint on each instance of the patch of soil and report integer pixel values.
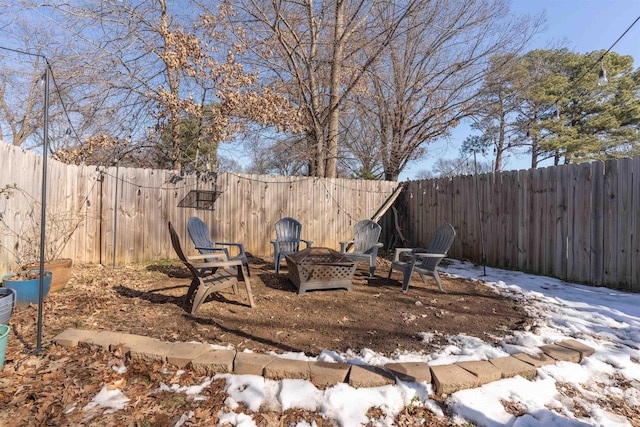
(376, 314)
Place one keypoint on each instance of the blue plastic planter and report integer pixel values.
(4, 337)
(7, 304)
(27, 291)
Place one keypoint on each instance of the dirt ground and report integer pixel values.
(376, 314)
(147, 300)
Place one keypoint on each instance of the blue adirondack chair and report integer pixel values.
(424, 261)
(199, 234)
(288, 232)
(365, 244)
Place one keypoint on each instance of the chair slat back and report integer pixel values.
(288, 233)
(199, 233)
(441, 242)
(175, 242)
(366, 236)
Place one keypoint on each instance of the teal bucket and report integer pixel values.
(4, 336)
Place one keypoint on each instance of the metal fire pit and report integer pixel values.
(320, 268)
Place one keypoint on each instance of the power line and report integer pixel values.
(599, 60)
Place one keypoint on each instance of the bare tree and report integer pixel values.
(317, 53)
(163, 67)
(427, 81)
(458, 166)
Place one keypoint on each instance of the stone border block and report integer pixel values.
(251, 363)
(327, 374)
(182, 353)
(369, 376)
(71, 337)
(482, 369)
(410, 371)
(559, 352)
(213, 362)
(150, 350)
(583, 349)
(510, 367)
(100, 339)
(291, 369)
(451, 378)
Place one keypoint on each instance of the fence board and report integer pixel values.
(624, 229)
(581, 222)
(522, 219)
(610, 228)
(549, 225)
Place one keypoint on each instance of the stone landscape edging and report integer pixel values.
(445, 379)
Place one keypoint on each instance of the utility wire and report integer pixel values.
(597, 62)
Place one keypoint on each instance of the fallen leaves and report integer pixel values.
(54, 387)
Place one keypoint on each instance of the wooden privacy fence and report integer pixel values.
(135, 221)
(579, 222)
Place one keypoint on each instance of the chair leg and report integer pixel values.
(248, 270)
(437, 277)
(247, 286)
(277, 266)
(390, 270)
(195, 283)
(201, 294)
(406, 278)
(372, 270)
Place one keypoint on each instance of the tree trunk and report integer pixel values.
(334, 92)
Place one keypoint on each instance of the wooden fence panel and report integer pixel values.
(578, 222)
(635, 232)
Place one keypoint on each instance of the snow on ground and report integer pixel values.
(605, 319)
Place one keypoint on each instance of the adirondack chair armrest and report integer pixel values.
(275, 245)
(428, 255)
(211, 248)
(239, 246)
(307, 242)
(399, 252)
(205, 265)
(374, 249)
(221, 256)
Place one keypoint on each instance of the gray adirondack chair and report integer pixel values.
(227, 275)
(199, 234)
(365, 244)
(288, 232)
(424, 261)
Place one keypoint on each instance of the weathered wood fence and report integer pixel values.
(579, 222)
(245, 211)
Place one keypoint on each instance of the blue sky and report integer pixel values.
(581, 26)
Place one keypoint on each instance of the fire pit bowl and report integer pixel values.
(320, 268)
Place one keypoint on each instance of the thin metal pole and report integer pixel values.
(484, 258)
(43, 212)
